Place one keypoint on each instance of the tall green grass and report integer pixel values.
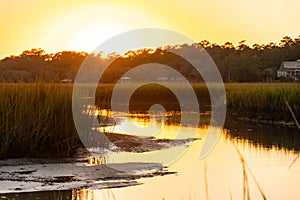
(267, 100)
(36, 119)
(153, 93)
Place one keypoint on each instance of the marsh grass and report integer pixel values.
(148, 94)
(261, 98)
(266, 100)
(36, 119)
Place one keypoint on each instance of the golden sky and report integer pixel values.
(56, 25)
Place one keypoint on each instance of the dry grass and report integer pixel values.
(205, 181)
(245, 168)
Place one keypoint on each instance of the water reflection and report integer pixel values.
(267, 150)
(258, 135)
(268, 137)
(83, 194)
(42, 195)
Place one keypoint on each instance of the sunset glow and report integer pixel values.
(82, 26)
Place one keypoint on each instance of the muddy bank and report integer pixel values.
(121, 142)
(16, 177)
(140, 144)
(234, 117)
(82, 171)
(263, 133)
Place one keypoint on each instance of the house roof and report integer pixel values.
(289, 65)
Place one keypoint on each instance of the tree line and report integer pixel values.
(236, 63)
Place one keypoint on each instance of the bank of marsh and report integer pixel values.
(36, 119)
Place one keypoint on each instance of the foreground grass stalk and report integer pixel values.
(293, 115)
(205, 181)
(245, 180)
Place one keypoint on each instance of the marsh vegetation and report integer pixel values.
(36, 119)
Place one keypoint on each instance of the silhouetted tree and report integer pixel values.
(240, 63)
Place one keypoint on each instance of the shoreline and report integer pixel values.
(36, 177)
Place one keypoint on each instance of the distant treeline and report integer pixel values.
(240, 63)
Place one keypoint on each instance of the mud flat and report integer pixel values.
(30, 177)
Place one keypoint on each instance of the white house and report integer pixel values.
(289, 69)
(125, 79)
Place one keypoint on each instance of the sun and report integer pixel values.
(84, 28)
(90, 36)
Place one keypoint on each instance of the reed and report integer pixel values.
(205, 181)
(266, 100)
(36, 119)
(245, 168)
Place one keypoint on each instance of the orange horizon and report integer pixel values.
(119, 53)
(81, 26)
